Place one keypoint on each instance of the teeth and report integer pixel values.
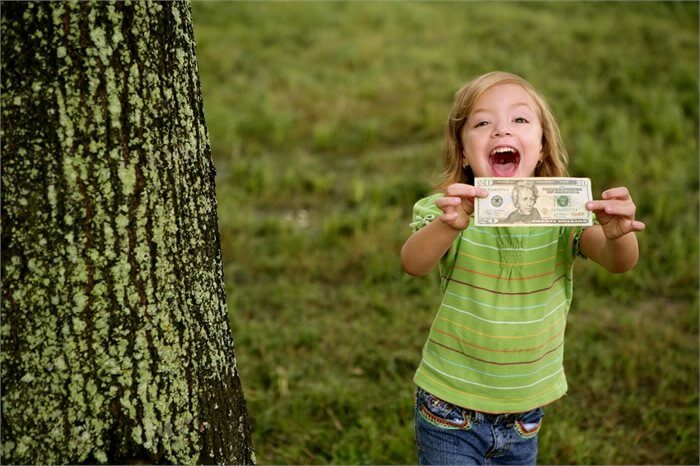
(502, 150)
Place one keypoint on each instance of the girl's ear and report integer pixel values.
(465, 159)
(540, 162)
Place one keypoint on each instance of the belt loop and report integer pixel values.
(476, 416)
(467, 413)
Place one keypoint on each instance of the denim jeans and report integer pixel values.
(448, 434)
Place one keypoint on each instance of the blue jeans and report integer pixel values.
(448, 434)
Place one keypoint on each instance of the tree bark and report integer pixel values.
(116, 345)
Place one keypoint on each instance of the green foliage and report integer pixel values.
(326, 123)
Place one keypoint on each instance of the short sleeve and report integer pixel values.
(576, 242)
(424, 212)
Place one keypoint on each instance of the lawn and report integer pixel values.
(326, 122)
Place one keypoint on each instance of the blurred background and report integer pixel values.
(326, 123)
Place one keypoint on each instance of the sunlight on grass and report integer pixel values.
(326, 123)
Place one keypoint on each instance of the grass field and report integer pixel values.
(326, 123)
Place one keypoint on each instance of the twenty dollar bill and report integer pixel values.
(541, 201)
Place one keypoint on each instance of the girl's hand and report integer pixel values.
(615, 213)
(458, 204)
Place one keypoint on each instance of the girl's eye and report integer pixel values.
(520, 120)
(481, 123)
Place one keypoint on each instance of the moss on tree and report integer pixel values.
(115, 337)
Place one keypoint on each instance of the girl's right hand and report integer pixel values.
(458, 204)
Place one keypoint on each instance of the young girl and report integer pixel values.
(494, 354)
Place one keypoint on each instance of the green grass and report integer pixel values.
(326, 123)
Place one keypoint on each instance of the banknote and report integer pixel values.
(541, 201)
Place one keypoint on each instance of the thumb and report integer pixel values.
(638, 226)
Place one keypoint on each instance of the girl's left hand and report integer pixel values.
(615, 213)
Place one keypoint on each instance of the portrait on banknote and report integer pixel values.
(524, 197)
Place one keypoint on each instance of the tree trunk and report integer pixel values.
(116, 346)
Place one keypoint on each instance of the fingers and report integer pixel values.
(458, 204)
(444, 202)
(620, 193)
(616, 201)
(465, 190)
(616, 212)
(638, 226)
(457, 195)
(449, 217)
(629, 226)
(618, 208)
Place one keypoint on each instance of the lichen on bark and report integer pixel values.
(116, 344)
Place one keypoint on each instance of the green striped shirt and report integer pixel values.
(497, 342)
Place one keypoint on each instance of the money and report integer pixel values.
(541, 201)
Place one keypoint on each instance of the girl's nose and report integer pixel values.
(501, 129)
(502, 132)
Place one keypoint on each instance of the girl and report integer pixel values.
(494, 354)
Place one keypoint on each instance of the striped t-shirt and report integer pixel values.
(497, 342)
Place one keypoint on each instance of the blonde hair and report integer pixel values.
(554, 159)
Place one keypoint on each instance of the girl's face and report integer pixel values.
(502, 136)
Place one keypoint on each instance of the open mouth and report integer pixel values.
(504, 161)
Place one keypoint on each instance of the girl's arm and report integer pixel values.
(613, 243)
(424, 248)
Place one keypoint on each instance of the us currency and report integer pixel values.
(541, 201)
